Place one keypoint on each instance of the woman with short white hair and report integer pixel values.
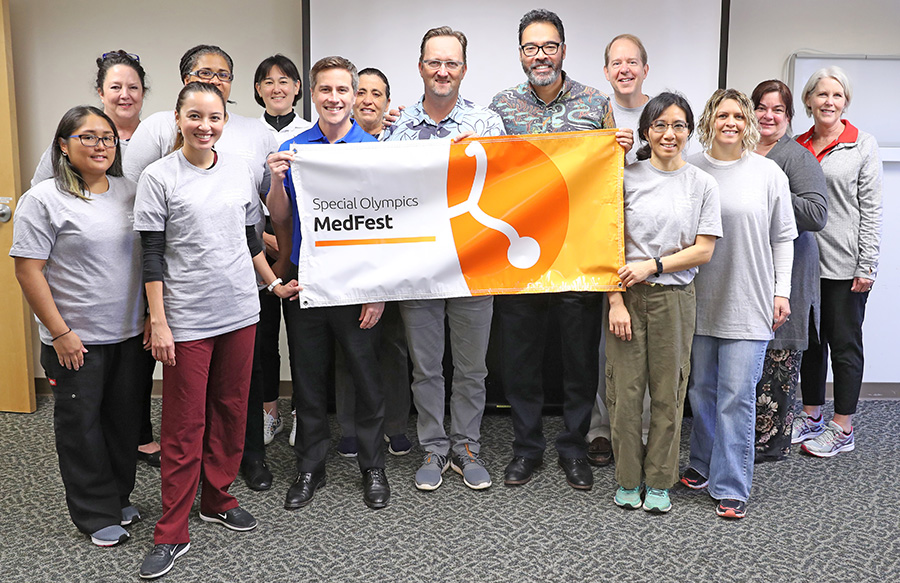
(848, 258)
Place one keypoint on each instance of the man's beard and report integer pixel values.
(546, 79)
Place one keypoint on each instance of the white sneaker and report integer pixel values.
(831, 442)
(272, 426)
(293, 436)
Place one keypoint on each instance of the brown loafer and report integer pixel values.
(599, 452)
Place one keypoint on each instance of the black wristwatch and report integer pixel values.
(659, 267)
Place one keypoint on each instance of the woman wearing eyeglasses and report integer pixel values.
(77, 259)
(671, 225)
(120, 85)
(244, 136)
(742, 297)
(774, 108)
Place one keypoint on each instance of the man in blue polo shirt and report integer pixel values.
(333, 82)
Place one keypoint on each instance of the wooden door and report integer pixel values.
(16, 367)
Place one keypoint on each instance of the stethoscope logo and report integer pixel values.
(508, 205)
(523, 252)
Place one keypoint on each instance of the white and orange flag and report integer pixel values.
(431, 219)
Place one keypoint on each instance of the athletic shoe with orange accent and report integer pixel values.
(694, 479)
(831, 442)
(468, 465)
(731, 509)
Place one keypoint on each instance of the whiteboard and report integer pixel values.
(387, 35)
(873, 78)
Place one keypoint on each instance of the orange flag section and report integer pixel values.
(538, 213)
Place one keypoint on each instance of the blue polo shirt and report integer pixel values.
(313, 135)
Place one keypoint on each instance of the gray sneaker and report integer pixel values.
(468, 465)
(428, 477)
(804, 428)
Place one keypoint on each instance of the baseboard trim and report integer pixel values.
(868, 391)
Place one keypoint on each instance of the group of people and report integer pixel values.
(744, 265)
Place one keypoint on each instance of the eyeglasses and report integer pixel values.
(90, 140)
(131, 56)
(660, 127)
(451, 66)
(549, 49)
(208, 75)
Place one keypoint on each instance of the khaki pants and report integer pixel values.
(658, 356)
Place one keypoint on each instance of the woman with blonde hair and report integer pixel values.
(742, 296)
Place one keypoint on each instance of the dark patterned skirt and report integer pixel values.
(775, 404)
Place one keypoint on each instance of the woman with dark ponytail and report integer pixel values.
(671, 225)
(199, 202)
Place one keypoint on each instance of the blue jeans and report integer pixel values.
(722, 391)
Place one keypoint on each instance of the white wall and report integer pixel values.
(682, 44)
(55, 45)
(763, 35)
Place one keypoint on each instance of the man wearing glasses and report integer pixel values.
(442, 113)
(549, 101)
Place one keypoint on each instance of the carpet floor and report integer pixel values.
(808, 519)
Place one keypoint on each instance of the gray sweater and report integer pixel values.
(808, 196)
(849, 244)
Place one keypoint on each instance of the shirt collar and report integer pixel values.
(564, 90)
(457, 114)
(315, 135)
(850, 135)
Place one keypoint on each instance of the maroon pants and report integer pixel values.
(202, 431)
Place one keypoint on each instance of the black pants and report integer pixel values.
(95, 419)
(843, 312)
(314, 332)
(523, 323)
(265, 377)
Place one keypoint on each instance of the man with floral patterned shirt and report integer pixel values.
(549, 101)
(442, 113)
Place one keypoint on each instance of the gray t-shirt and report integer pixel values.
(44, 168)
(208, 278)
(665, 211)
(736, 289)
(628, 117)
(93, 258)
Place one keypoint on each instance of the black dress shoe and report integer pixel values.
(152, 459)
(578, 472)
(599, 452)
(519, 470)
(301, 491)
(257, 475)
(376, 491)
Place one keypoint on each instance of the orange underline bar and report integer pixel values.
(345, 242)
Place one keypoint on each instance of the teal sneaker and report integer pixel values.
(630, 499)
(656, 500)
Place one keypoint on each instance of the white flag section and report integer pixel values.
(431, 219)
(375, 223)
